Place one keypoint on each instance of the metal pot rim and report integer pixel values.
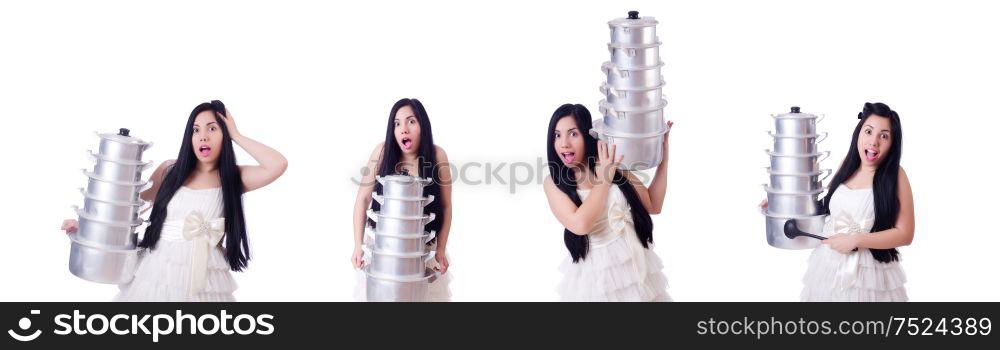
(429, 275)
(94, 176)
(815, 173)
(633, 46)
(422, 217)
(599, 129)
(609, 65)
(605, 85)
(806, 155)
(604, 107)
(795, 116)
(74, 239)
(625, 22)
(122, 139)
(89, 196)
(408, 179)
(803, 136)
(769, 190)
(86, 216)
(102, 158)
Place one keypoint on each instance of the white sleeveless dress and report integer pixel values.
(187, 264)
(437, 292)
(855, 276)
(617, 267)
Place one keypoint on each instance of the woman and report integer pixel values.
(870, 204)
(408, 149)
(197, 232)
(606, 215)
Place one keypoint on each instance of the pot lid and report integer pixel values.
(122, 136)
(796, 112)
(633, 20)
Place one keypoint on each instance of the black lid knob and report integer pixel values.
(795, 109)
(404, 172)
(633, 15)
(123, 132)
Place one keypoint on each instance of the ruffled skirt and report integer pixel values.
(874, 282)
(609, 273)
(164, 273)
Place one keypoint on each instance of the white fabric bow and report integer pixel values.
(847, 274)
(619, 218)
(205, 234)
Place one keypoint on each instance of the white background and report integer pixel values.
(316, 81)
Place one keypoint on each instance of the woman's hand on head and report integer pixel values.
(230, 123)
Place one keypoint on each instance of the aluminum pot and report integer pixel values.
(118, 170)
(112, 190)
(101, 265)
(632, 97)
(633, 29)
(117, 211)
(401, 243)
(400, 264)
(792, 203)
(399, 225)
(402, 186)
(633, 120)
(107, 234)
(776, 231)
(402, 207)
(797, 163)
(635, 55)
(640, 151)
(380, 288)
(798, 182)
(797, 144)
(796, 122)
(122, 147)
(632, 78)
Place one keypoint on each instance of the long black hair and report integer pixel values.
(564, 179)
(886, 178)
(236, 246)
(427, 165)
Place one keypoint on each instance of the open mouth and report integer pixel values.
(568, 157)
(406, 142)
(204, 151)
(871, 154)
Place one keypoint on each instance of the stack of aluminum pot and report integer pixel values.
(633, 93)
(104, 250)
(796, 179)
(397, 250)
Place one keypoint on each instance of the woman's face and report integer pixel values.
(407, 130)
(569, 142)
(874, 140)
(206, 137)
